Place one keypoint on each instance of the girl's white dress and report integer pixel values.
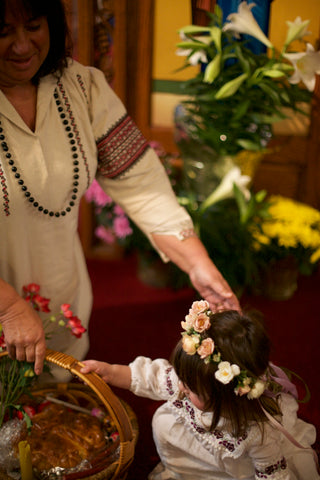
(189, 451)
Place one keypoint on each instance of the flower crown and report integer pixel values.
(196, 340)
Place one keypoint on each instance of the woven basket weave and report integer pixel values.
(94, 393)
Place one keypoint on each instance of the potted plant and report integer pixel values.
(237, 95)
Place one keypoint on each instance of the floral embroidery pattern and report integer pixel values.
(216, 438)
(169, 382)
(120, 148)
(271, 469)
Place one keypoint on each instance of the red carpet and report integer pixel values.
(130, 319)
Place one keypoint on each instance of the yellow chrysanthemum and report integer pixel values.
(291, 225)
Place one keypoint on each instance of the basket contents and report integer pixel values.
(62, 440)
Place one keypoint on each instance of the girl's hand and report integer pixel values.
(116, 375)
(103, 369)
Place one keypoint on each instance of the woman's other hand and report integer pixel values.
(22, 327)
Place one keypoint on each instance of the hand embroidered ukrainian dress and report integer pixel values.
(189, 451)
(82, 132)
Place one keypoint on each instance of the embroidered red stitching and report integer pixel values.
(81, 83)
(76, 131)
(4, 193)
(120, 147)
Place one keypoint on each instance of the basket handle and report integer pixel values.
(101, 389)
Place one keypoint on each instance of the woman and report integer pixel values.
(61, 126)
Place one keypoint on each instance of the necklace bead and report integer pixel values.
(70, 135)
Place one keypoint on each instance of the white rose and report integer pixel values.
(257, 390)
(226, 372)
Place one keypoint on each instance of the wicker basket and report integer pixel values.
(94, 393)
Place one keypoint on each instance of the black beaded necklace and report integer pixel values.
(76, 171)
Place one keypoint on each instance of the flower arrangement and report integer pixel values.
(292, 229)
(16, 378)
(195, 340)
(238, 95)
(112, 223)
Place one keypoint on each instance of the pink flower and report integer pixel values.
(242, 390)
(38, 303)
(122, 227)
(97, 412)
(97, 195)
(199, 307)
(2, 341)
(31, 288)
(104, 234)
(189, 321)
(75, 326)
(31, 295)
(206, 348)
(42, 303)
(201, 323)
(158, 148)
(190, 343)
(67, 313)
(118, 210)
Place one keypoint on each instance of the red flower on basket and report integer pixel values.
(65, 317)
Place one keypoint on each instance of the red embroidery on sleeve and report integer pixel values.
(120, 148)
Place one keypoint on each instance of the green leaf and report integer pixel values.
(191, 45)
(215, 33)
(273, 73)
(270, 91)
(248, 144)
(241, 202)
(245, 63)
(230, 88)
(241, 109)
(194, 29)
(212, 70)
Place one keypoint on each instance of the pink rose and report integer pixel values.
(201, 323)
(206, 348)
(199, 307)
(242, 390)
(189, 322)
(190, 343)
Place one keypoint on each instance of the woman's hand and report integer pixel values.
(211, 286)
(22, 327)
(191, 256)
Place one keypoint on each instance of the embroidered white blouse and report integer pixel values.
(189, 451)
(82, 132)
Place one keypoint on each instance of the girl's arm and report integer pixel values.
(116, 375)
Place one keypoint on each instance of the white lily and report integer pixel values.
(306, 65)
(297, 30)
(244, 22)
(200, 55)
(225, 188)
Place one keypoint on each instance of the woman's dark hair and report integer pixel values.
(60, 39)
(241, 340)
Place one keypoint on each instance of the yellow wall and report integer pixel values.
(170, 15)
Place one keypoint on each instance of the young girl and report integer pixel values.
(224, 402)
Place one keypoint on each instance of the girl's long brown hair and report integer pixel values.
(242, 340)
